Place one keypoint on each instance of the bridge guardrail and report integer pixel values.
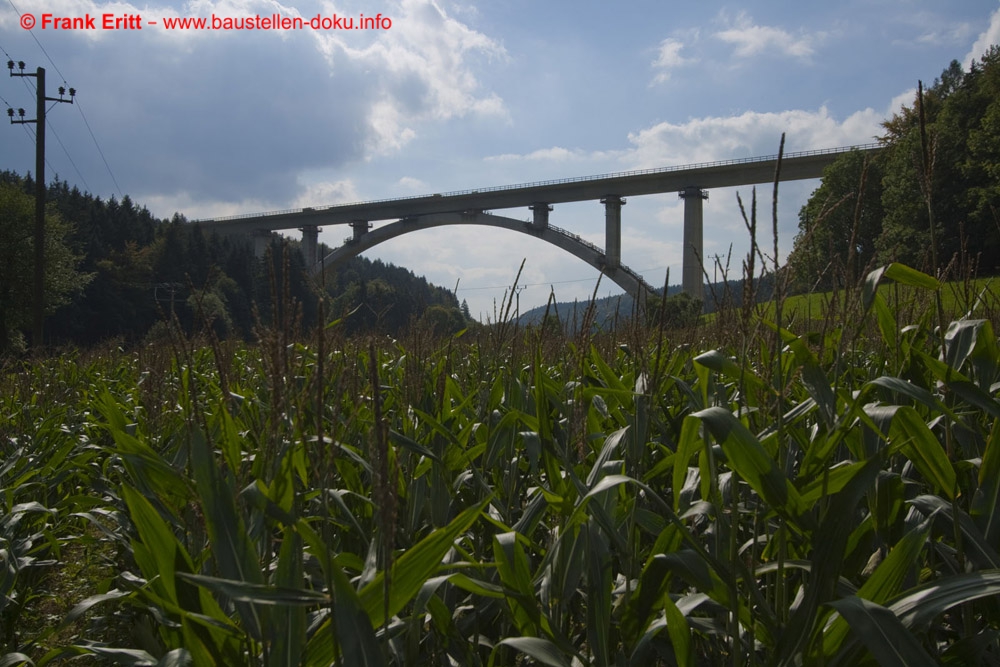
(622, 267)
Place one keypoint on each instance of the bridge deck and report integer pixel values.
(749, 171)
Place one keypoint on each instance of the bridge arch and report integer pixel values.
(622, 276)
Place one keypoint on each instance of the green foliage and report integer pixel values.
(439, 321)
(388, 299)
(840, 225)
(680, 311)
(592, 503)
(62, 280)
(133, 273)
(878, 212)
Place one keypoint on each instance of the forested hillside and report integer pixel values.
(872, 211)
(115, 271)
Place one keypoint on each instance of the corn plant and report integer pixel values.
(824, 497)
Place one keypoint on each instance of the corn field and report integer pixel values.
(736, 494)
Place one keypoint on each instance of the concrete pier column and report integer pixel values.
(310, 241)
(261, 240)
(693, 282)
(360, 228)
(613, 231)
(541, 211)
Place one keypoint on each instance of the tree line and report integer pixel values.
(115, 271)
(939, 162)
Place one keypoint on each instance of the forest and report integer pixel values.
(869, 212)
(114, 272)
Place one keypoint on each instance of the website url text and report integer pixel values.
(273, 22)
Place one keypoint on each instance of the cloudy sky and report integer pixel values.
(466, 94)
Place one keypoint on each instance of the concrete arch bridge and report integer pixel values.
(471, 207)
(623, 276)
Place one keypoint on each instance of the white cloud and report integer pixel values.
(668, 59)
(555, 154)
(904, 99)
(751, 39)
(945, 36)
(412, 184)
(389, 130)
(423, 66)
(714, 138)
(196, 207)
(990, 37)
(327, 193)
(934, 29)
(209, 116)
(746, 135)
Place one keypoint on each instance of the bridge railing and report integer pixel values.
(622, 267)
(559, 181)
(577, 238)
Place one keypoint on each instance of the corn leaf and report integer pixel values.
(890, 643)
(536, 648)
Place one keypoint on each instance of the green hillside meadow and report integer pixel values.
(735, 494)
(958, 298)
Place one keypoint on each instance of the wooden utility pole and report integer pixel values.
(38, 302)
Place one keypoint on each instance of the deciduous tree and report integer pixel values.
(62, 278)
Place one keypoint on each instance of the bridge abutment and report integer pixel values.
(613, 231)
(692, 282)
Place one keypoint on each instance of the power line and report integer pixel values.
(32, 33)
(545, 284)
(27, 86)
(31, 135)
(82, 115)
(68, 156)
(5, 52)
(5, 102)
(104, 159)
(554, 282)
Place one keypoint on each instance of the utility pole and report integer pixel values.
(38, 305)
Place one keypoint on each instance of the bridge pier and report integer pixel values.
(261, 240)
(693, 282)
(613, 231)
(360, 228)
(310, 241)
(541, 219)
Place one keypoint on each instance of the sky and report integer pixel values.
(441, 95)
